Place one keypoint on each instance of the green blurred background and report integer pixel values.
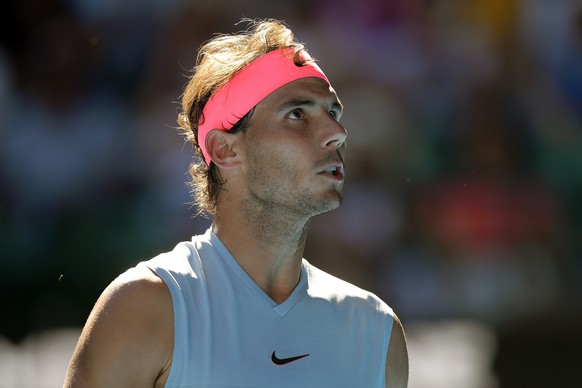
(464, 170)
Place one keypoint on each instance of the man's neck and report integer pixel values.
(267, 245)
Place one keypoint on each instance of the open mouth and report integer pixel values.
(335, 171)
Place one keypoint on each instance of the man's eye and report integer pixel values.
(296, 114)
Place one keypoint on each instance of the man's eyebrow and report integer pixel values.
(298, 103)
(295, 103)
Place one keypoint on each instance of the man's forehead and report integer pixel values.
(305, 88)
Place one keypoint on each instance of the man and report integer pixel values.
(239, 306)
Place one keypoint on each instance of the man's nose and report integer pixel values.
(334, 134)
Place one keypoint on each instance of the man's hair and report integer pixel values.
(217, 62)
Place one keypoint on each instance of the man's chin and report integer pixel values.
(332, 202)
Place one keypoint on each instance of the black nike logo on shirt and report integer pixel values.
(282, 361)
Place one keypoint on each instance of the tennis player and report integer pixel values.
(239, 306)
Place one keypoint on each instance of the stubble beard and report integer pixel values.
(290, 204)
(285, 222)
(273, 193)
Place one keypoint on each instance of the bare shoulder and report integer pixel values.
(397, 357)
(128, 337)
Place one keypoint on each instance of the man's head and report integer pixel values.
(233, 74)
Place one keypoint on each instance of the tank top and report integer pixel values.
(230, 333)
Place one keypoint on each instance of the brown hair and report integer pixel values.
(217, 62)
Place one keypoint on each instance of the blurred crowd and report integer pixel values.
(464, 166)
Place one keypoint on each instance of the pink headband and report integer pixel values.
(249, 86)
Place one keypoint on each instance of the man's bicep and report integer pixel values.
(397, 357)
(127, 340)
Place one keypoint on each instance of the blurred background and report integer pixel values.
(463, 197)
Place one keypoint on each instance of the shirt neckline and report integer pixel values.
(279, 308)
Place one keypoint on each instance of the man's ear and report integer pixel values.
(220, 147)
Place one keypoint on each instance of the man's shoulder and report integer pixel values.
(325, 285)
(138, 286)
(128, 334)
(136, 280)
(137, 301)
(184, 258)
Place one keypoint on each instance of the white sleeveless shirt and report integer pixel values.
(229, 333)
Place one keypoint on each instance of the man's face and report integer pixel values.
(294, 149)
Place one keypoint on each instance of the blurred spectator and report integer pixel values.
(489, 228)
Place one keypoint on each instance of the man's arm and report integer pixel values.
(128, 338)
(397, 358)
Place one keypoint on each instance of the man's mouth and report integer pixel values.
(335, 171)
